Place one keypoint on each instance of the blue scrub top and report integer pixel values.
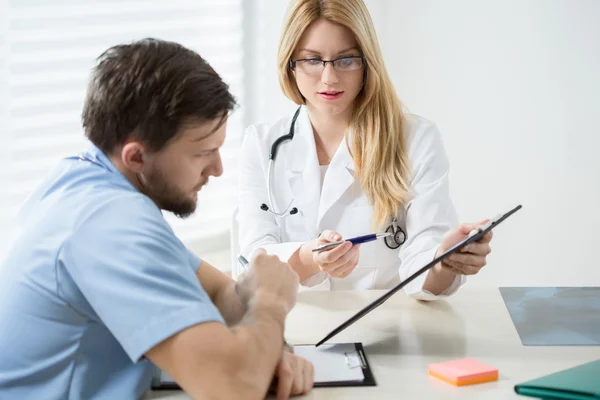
(95, 279)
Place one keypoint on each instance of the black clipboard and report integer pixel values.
(369, 379)
(159, 384)
(362, 363)
(373, 305)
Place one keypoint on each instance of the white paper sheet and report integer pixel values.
(331, 364)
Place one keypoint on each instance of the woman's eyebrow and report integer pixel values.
(348, 49)
(339, 52)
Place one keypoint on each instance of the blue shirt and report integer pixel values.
(95, 279)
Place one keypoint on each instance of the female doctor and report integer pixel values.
(349, 162)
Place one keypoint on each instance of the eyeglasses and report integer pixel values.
(315, 66)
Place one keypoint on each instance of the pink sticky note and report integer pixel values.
(466, 371)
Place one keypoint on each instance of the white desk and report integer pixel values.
(403, 336)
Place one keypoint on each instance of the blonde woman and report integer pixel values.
(349, 162)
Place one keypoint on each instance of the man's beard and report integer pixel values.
(166, 196)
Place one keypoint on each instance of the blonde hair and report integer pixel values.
(378, 143)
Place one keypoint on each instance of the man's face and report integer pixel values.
(173, 176)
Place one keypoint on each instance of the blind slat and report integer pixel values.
(31, 8)
(46, 70)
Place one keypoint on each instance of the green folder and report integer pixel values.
(577, 383)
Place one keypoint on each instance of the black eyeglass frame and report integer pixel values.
(363, 59)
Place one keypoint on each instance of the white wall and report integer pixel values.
(514, 86)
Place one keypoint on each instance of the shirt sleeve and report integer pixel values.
(194, 260)
(136, 274)
(430, 213)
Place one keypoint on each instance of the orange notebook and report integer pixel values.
(466, 371)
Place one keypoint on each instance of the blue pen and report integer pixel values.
(355, 240)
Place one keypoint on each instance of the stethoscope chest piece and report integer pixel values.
(397, 239)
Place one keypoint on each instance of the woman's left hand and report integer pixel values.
(470, 259)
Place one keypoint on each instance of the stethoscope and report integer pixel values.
(393, 241)
(289, 210)
(397, 238)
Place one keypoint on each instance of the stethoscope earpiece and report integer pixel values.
(265, 207)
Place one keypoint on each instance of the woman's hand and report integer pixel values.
(339, 261)
(470, 259)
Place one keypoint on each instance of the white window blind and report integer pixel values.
(47, 49)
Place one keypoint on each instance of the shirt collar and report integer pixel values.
(96, 155)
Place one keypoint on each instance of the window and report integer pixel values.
(47, 49)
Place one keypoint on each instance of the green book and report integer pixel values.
(577, 383)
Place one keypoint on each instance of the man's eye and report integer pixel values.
(207, 153)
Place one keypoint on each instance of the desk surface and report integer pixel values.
(403, 336)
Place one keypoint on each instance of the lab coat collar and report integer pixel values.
(304, 155)
(339, 177)
(304, 175)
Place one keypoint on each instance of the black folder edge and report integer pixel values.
(369, 379)
(383, 298)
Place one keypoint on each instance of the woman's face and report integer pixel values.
(329, 89)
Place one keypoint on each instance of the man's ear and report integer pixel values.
(132, 156)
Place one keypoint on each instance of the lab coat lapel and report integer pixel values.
(339, 177)
(304, 174)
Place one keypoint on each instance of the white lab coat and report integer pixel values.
(342, 206)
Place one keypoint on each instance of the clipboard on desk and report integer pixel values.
(473, 237)
(162, 381)
(341, 364)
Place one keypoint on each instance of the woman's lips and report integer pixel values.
(331, 94)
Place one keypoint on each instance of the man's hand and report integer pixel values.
(268, 279)
(295, 376)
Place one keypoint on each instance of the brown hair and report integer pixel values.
(147, 90)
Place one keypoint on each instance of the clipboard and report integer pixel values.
(379, 301)
(162, 381)
(336, 365)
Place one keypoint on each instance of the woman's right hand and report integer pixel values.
(338, 262)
